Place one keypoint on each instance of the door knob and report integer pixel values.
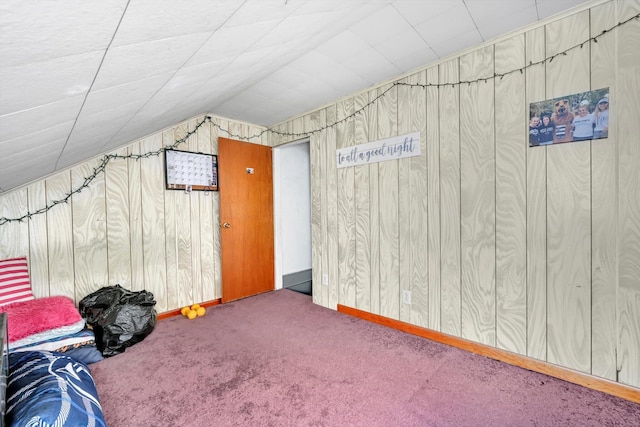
(226, 225)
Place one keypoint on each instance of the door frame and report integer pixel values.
(277, 208)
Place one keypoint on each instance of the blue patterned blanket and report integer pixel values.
(51, 389)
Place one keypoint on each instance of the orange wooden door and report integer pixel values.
(246, 218)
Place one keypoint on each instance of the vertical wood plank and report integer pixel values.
(536, 206)
(312, 121)
(264, 136)
(184, 291)
(604, 199)
(417, 230)
(235, 130)
(171, 198)
(206, 234)
(389, 216)
(135, 219)
(60, 236)
(346, 208)
(362, 208)
(568, 208)
(405, 267)
(14, 235)
(268, 137)
(195, 230)
(324, 290)
(278, 136)
(153, 222)
(332, 208)
(297, 128)
(89, 231)
(116, 178)
(569, 287)
(324, 210)
(477, 198)
(256, 136)
(38, 255)
(245, 131)
(511, 190)
(449, 107)
(216, 218)
(289, 131)
(432, 139)
(419, 184)
(374, 210)
(628, 129)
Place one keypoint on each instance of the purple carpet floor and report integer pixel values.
(277, 359)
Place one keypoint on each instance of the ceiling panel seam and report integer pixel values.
(173, 75)
(91, 85)
(416, 31)
(475, 24)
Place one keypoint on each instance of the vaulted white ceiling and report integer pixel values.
(81, 77)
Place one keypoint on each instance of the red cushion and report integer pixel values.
(14, 281)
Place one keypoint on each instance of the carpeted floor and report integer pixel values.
(277, 359)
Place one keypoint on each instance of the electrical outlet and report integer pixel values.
(325, 279)
(406, 296)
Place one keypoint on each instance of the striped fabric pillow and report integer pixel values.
(14, 281)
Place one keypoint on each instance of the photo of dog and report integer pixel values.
(562, 119)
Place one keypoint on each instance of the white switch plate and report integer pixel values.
(325, 279)
(406, 296)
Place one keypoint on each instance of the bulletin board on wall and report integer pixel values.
(191, 171)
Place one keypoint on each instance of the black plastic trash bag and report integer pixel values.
(120, 318)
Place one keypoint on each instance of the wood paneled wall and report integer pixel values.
(531, 250)
(124, 228)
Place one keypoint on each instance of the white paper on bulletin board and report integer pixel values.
(189, 170)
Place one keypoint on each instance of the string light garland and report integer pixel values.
(108, 157)
(433, 85)
(99, 170)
